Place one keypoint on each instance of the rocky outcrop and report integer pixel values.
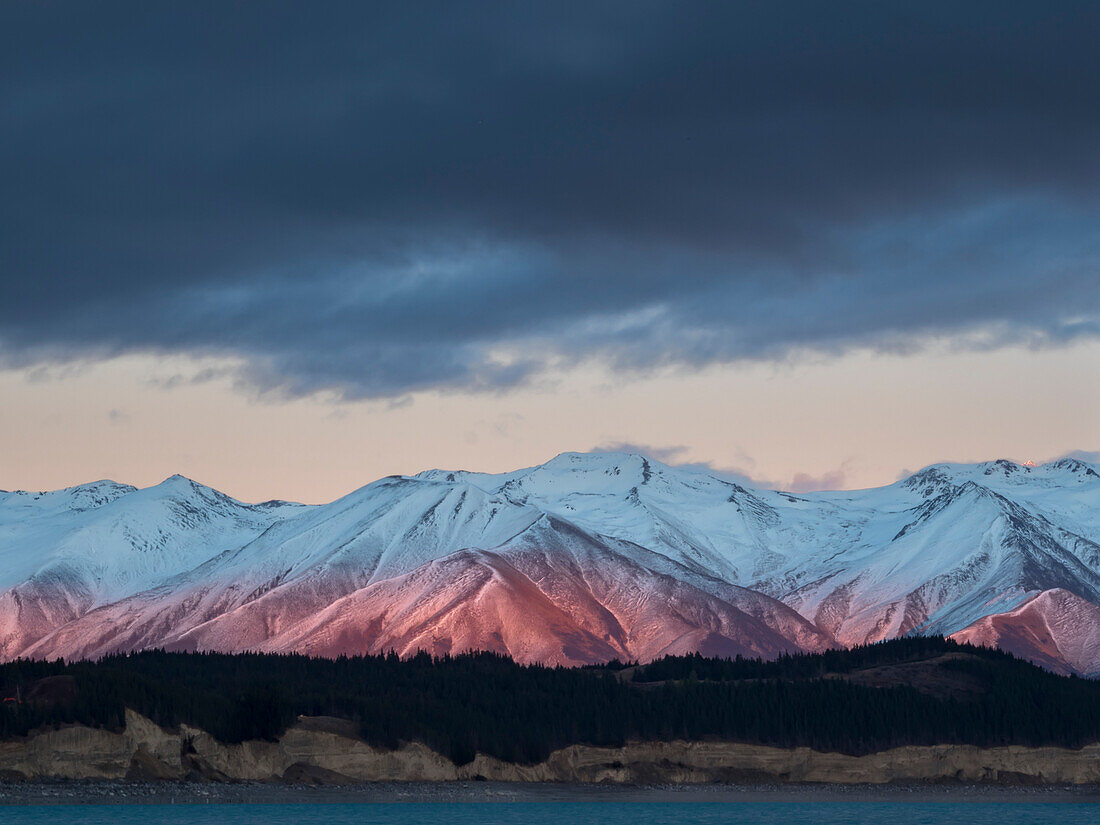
(323, 751)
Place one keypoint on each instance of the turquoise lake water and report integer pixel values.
(563, 813)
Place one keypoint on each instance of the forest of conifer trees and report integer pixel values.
(484, 702)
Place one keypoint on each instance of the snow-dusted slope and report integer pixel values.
(936, 565)
(586, 557)
(67, 552)
(420, 563)
(929, 554)
(1056, 629)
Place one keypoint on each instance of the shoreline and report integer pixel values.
(125, 792)
(147, 762)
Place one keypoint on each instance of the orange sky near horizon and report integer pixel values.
(852, 421)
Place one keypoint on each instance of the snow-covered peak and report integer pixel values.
(81, 497)
(107, 539)
(1002, 474)
(177, 481)
(601, 473)
(1074, 468)
(182, 492)
(1004, 468)
(446, 476)
(184, 487)
(597, 473)
(931, 553)
(929, 482)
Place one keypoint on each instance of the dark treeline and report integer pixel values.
(482, 702)
(806, 665)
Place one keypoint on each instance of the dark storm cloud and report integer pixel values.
(379, 198)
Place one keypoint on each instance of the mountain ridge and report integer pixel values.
(586, 557)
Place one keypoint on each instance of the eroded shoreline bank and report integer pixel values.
(319, 751)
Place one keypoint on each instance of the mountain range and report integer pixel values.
(586, 558)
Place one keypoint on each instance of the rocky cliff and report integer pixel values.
(324, 751)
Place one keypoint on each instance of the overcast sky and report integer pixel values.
(288, 248)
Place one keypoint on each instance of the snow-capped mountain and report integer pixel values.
(585, 558)
(67, 552)
(1056, 629)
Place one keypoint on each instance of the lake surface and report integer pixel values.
(563, 813)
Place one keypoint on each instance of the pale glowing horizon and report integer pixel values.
(854, 421)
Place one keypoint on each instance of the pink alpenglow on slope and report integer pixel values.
(585, 558)
(1056, 629)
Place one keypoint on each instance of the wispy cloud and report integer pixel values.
(675, 456)
(1091, 456)
(831, 480)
